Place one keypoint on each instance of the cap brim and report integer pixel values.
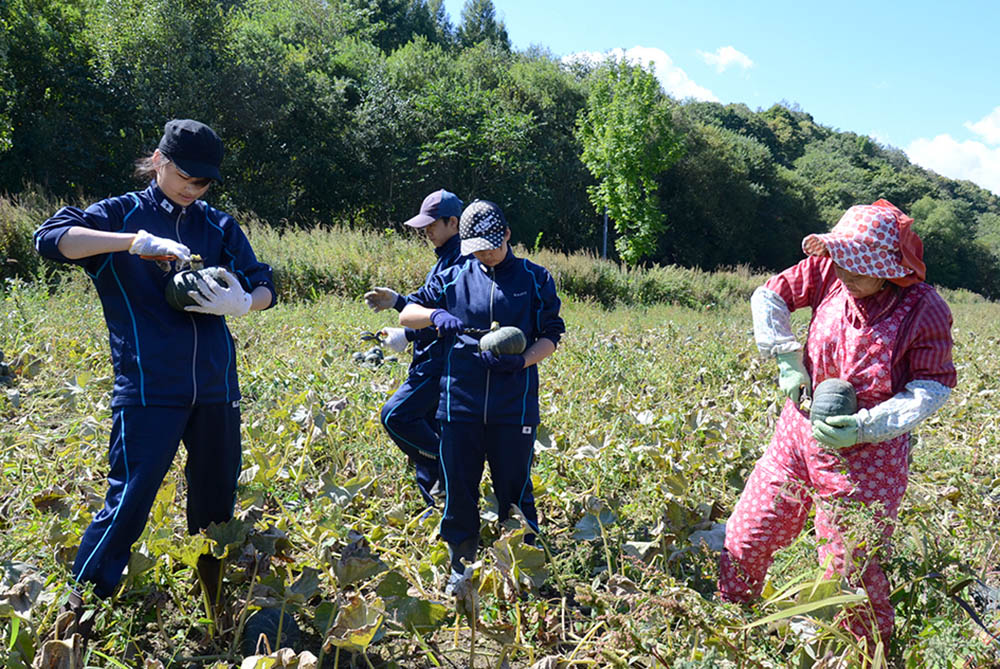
(473, 244)
(198, 170)
(420, 221)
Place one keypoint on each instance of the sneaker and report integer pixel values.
(75, 618)
(454, 581)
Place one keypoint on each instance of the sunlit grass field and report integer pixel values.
(652, 418)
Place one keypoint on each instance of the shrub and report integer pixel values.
(18, 219)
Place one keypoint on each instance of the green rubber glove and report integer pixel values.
(837, 432)
(792, 375)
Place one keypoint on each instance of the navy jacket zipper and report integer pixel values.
(194, 324)
(491, 273)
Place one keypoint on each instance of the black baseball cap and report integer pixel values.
(193, 147)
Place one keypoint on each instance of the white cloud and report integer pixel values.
(673, 79)
(988, 127)
(726, 57)
(970, 160)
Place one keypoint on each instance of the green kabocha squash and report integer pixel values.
(266, 621)
(183, 282)
(833, 397)
(507, 340)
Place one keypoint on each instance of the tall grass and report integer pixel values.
(340, 260)
(336, 259)
(347, 262)
(19, 216)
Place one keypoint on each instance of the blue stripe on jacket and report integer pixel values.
(135, 310)
(523, 295)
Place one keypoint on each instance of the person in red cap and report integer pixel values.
(878, 326)
(409, 415)
(174, 371)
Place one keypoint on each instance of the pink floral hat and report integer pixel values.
(873, 240)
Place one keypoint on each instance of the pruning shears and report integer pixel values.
(422, 335)
(163, 262)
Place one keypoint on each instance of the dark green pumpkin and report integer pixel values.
(181, 283)
(833, 397)
(266, 622)
(507, 340)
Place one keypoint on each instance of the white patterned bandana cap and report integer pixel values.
(866, 241)
(481, 227)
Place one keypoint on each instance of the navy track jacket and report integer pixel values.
(516, 292)
(161, 357)
(428, 355)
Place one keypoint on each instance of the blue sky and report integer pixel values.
(917, 75)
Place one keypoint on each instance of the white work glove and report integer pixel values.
(159, 248)
(395, 338)
(228, 300)
(381, 298)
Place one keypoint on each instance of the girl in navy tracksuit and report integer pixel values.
(175, 372)
(489, 403)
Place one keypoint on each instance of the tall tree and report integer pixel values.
(442, 22)
(479, 23)
(628, 141)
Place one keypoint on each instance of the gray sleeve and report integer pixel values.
(902, 412)
(772, 323)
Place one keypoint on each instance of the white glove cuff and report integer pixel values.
(772, 323)
(138, 246)
(395, 339)
(902, 412)
(243, 308)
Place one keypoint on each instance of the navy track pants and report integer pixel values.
(144, 441)
(465, 447)
(408, 418)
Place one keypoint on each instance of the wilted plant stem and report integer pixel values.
(607, 550)
(585, 639)
(246, 606)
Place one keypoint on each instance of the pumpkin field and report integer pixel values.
(652, 417)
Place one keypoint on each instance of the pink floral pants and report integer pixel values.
(856, 493)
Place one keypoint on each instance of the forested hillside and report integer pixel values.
(349, 111)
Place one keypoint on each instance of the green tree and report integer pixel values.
(988, 232)
(479, 23)
(442, 22)
(732, 204)
(628, 142)
(7, 86)
(954, 257)
(393, 23)
(56, 121)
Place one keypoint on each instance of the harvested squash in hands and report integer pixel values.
(507, 340)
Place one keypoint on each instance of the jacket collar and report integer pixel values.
(508, 262)
(449, 246)
(163, 203)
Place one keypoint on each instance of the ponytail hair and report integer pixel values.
(145, 167)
